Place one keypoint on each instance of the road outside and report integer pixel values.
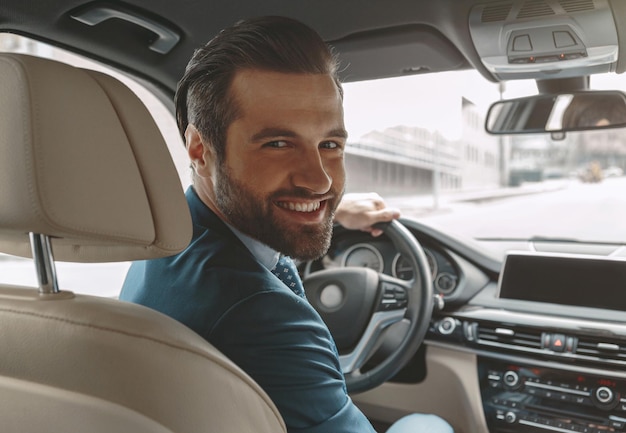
(555, 209)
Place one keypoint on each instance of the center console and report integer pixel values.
(550, 344)
(543, 375)
(525, 398)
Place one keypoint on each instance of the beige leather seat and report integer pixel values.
(85, 171)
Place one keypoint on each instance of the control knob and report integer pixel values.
(511, 379)
(510, 417)
(604, 395)
(447, 326)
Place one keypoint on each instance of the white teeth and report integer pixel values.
(300, 207)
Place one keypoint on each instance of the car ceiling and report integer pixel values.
(374, 38)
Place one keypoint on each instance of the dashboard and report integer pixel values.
(550, 354)
(549, 336)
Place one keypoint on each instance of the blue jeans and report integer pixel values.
(422, 423)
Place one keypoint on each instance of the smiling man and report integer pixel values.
(282, 175)
(260, 108)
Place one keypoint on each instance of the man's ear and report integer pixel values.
(201, 154)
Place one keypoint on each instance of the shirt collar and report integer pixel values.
(267, 256)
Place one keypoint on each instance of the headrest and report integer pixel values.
(84, 163)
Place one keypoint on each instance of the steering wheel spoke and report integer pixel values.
(354, 360)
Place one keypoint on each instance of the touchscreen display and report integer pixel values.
(585, 281)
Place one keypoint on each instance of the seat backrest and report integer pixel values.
(85, 176)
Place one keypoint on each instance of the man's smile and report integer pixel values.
(300, 206)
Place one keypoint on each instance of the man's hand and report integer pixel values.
(359, 211)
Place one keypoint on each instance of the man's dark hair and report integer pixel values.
(277, 44)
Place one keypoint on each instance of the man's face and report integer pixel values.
(283, 174)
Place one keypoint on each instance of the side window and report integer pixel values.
(104, 279)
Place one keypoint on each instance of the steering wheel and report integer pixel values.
(359, 305)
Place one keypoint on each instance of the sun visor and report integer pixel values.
(545, 39)
(393, 52)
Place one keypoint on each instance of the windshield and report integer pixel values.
(420, 142)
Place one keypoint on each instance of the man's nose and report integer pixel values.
(310, 173)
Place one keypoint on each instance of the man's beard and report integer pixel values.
(256, 217)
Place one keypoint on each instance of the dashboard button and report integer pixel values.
(563, 397)
(582, 400)
(558, 343)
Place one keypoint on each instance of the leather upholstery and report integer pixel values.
(83, 162)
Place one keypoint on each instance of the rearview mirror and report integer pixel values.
(576, 111)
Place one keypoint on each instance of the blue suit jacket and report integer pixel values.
(217, 288)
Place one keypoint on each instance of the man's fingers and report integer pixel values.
(384, 215)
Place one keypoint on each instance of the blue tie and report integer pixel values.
(287, 272)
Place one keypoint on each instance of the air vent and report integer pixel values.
(494, 13)
(573, 6)
(513, 338)
(529, 340)
(602, 350)
(535, 8)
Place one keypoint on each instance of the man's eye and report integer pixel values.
(329, 145)
(277, 144)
